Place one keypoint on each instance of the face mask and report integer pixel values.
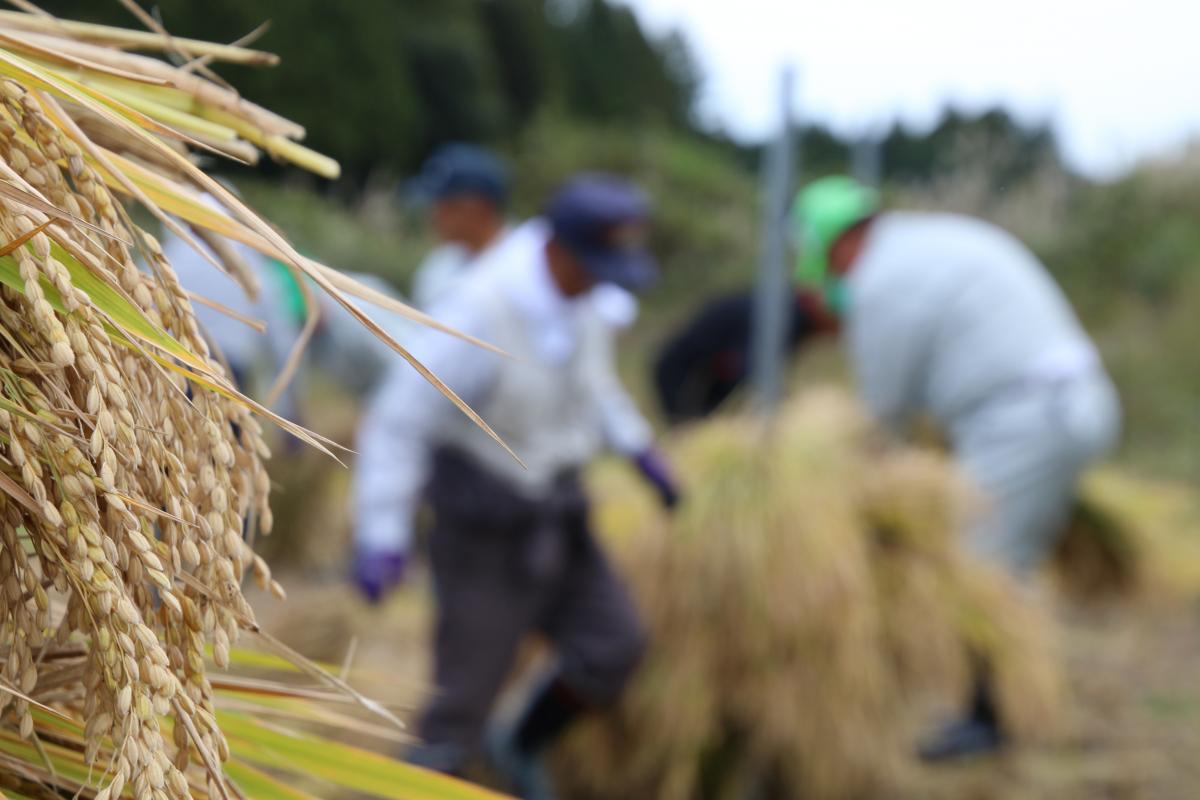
(837, 296)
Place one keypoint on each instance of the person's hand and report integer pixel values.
(377, 572)
(657, 472)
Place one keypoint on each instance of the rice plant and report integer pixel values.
(130, 464)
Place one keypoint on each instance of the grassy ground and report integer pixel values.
(1134, 731)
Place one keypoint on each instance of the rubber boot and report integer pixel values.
(977, 733)
(518, 748)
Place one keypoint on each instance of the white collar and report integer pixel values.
(551, 316)
(528, 281)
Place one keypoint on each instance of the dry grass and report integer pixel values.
(1132, 540)
(803, 602)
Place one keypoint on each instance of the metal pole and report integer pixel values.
(772, 293)
(867, 160)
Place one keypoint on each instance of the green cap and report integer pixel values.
(823, 211)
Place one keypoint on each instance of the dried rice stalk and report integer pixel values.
(129, 464)
(807, 596)
(1130, 539)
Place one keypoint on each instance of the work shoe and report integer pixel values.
(961, 739)
(525, 771)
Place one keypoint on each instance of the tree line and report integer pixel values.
(380, 83)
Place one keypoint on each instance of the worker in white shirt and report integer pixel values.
(466, 189)
(511, 549)
(951, 317)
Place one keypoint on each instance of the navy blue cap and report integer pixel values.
(461, 169)
(603, 221)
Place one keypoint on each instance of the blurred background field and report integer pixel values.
(1126, 251)
(560, 86)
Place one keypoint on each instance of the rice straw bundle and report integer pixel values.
(129, 463)
(806, 597)
(1130, 539)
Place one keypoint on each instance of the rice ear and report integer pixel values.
(130, 465)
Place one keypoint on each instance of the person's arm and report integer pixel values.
(685, 367)
(626, 430)
(402, 423)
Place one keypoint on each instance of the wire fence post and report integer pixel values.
(866, 160)
(772, 293)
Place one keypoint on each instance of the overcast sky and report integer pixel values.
(1118, 80)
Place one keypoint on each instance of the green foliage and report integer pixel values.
(1129, 257)
(1017, 149)
(614, 72)
(1142, 228)
(371, 236)
(1014, 151)
(379, 83)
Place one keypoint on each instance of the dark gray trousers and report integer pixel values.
(504, 567)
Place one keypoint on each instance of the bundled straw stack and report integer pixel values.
(129, 463)
(1131, 539)
(806, 597)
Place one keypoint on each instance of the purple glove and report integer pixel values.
(376, 572)
(657, 472)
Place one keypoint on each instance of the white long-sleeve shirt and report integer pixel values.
(945, 310)
(554, 401)
(439, 273)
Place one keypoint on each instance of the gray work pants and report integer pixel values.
(1025, 449)
(504, 567)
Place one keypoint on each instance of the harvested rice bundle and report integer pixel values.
(804, 599)
(129, 463)
(945, 613)
(1130, 538)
